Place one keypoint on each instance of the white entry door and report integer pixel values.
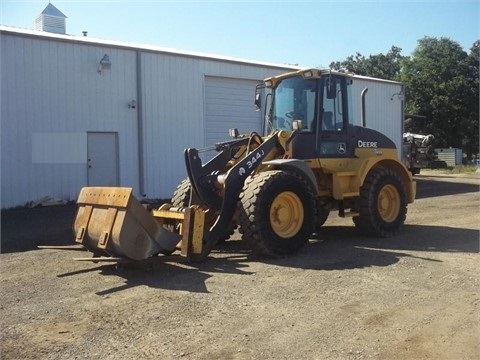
(102, 150)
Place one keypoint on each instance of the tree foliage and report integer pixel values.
(470, 140)
(440, 81)
(442, 85)
(380, 66)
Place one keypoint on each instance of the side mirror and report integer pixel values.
(233, 133)
(258, 101)
(331, 88)
(258, 96)
(297, 125)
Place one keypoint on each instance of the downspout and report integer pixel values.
(141, 166)
(363, 94)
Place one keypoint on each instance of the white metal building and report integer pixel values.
(78, 111)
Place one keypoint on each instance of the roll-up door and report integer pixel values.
(229, 103)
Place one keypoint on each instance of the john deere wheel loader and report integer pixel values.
(278, 189)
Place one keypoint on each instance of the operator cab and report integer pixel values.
(316, 102)
(317, 106)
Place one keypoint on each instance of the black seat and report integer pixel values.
(327, 121)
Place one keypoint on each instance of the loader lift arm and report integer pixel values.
(203, 176)
(202, 183)
(113, 225)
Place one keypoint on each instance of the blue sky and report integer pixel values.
(308, 33)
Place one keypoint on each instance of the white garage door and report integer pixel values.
(229, 103)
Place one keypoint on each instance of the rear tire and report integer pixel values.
(382, 204)
(277, 213)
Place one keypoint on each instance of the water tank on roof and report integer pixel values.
(52, 20)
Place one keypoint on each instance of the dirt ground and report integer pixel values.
(414, 296)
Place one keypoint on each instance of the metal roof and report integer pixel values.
(135, 46)
(52, 11)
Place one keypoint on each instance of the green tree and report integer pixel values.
(470, 139)
(380, 66)
(442, 84)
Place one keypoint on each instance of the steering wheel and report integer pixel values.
(282, 123)
(292, 115)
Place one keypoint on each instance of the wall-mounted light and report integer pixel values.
(400, 96)
(104, 64)
(132, 104)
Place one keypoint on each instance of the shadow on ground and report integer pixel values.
(339, 247)
(24, 229)
(427, 188)
(336, 248)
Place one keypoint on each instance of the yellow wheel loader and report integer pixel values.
(278, 189)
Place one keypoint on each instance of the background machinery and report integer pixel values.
(278, 188)
(419, 152)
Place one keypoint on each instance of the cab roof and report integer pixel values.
(313, 73)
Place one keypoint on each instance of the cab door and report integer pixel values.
(332, 122)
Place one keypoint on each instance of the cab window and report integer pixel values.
(332, 112)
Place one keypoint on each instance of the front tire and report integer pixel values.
(181, 196)
(181, 199)
(277, 213)
(382, 204)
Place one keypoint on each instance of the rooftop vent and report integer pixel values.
(51, 20)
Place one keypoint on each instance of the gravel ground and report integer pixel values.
(414, 296)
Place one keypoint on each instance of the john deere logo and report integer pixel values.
(341, 148)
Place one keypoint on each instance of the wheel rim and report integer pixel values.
(286, 214)
(388, 203)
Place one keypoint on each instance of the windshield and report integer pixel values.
(294, 99)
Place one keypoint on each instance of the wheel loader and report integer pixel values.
(278, 188)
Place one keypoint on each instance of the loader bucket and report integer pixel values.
(110, 220)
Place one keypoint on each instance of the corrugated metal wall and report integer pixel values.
(173, 116)
(229, 104)
(174, 113)
(50, 89)
(384, 107)
(52, 95)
